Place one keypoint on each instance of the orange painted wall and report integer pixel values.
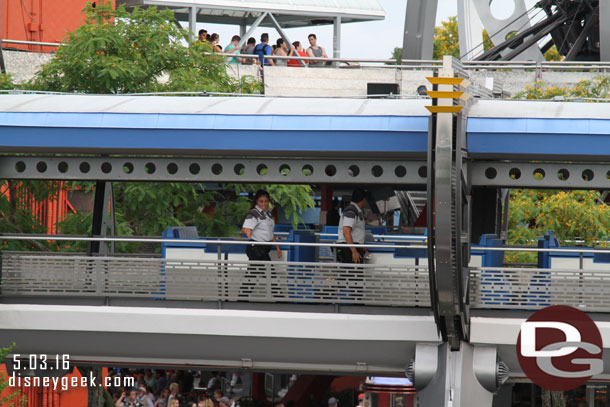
(37, 396)
(39, 20)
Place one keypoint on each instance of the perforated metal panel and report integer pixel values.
(533, 288)
(541, 175)
(222, 280)
(272, 170)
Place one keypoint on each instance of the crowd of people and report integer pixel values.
(263, 48)
(188, 388)
(168, 388)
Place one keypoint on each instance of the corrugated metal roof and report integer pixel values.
(300, 11)
(242, 105)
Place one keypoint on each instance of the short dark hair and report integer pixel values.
(358, 195)
(279, 42)
(235, 38)
(260, 193)
(202, 31)
(312, 35)
(251, 40)
(296, 44)
(264, 37)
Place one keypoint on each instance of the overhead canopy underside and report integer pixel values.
(289, 13)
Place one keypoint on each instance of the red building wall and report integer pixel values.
(39, 20)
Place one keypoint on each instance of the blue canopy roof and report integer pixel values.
(218, 125)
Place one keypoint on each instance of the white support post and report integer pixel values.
(192, 23)
(337, 37)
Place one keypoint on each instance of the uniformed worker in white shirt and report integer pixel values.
(351, 229)
(259, 226)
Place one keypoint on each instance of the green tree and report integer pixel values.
(598, 87)
(6, 82)
(571, 215)
(446, 39)
(116, 51)
(13, 399)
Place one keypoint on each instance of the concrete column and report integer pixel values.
(242, 29)
(192, 23)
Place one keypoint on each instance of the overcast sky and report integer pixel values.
(374, 40)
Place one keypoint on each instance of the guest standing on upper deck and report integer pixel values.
(315, 51)
(263, 49)
(299, 52)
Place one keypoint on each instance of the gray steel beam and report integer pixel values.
(251, 170)
(253, 28)
(540, 175)
(604, 30)
(418, 37)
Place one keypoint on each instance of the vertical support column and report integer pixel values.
(470, 31)
(192, 23)
(99, 225)
(242, 29)
(337, 38)
(604, 30)
(418, 37)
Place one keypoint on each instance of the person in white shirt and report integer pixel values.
(259, 226)
(351, 229)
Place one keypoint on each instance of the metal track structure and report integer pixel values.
(448, 223)
(573, 26)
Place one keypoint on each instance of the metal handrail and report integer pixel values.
(22, 42)
(243, 241)
(404, 63)
(200, 241)
(541, 250)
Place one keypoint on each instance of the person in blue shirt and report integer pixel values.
(263, 49)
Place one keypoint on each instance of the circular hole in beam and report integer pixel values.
(491, 173)
(127, 168)
(217, 169)
(514, 173)
(20, 166)
(41, 166)
(172, 168)
(194, 168)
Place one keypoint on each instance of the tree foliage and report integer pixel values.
(571, 215)
(146, 209)
(116, 51)
(14, 399)
(6, 82)
(446, 39)
(598, 87)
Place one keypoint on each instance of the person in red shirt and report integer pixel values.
(298, 49)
